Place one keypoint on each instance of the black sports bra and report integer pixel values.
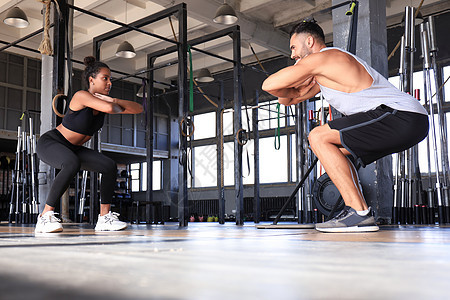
(83, 121)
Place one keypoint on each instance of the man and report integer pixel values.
(378, 119)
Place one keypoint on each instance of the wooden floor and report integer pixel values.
(212, 261)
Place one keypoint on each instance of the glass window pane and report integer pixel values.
(127, 121)
(3, 73)
(115, 120)
(162, 125)
(246, 122)
(115, 135)
(268, 115)
(157, 175)
(140, 139)
(205, 125)
(144, 176)
(228, 163)
(2, 96)
(227, 123)
(135, 174)
(447, 85)
(271, 159)
(294, 158)
(15, 74)
(135, 185)
(248, 163)
(205, 166)
(14, 99)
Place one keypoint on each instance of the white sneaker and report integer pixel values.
(48, 223)
(110, 222)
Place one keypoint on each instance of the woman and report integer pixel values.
(62, 147)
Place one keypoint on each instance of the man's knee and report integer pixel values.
(315, 137)
(323, 135)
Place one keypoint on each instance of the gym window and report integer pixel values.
(139, 176)
(205, 126)
(418, 83)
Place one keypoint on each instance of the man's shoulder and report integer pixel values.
(328, 55)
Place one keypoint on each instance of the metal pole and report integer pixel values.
(24, 184)
(34, 187)
(129, 27)
(183, 204)
(238, 185)
(256, 198)
(427, 82)
(441, 117)
(220, 162)
(14, 202)
(300, 161)
(149, 137)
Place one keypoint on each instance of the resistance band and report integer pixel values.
(277, 130)
(191, 82)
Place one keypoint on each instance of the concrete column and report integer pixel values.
(371, 46)
(47, 173)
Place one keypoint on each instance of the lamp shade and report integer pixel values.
(140, 93)
(225, 14)
(417, 20)
(125, 50)
(16, 17)
(204, 76)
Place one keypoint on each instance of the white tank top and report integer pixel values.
(380, 92)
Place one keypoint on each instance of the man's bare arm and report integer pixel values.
(280, 83)
(292, 101)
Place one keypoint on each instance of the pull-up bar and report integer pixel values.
(130, 27)
(23, 38)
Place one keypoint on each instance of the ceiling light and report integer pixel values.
(417, 20)
(140, 93)
(125, 50)
(204, 76)
(16, 17)
(226, 15)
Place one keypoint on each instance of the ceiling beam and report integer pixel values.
(255, 32)
(247, 6)
(298, 13)
(137, 3)
(311, 2)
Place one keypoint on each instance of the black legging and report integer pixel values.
(55, 150)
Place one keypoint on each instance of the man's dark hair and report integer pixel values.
(309, 27)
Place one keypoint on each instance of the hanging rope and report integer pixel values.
(46, 46)
(189, 70)
(442, 85)
(257, 59)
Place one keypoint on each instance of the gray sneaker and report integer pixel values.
(348, 220)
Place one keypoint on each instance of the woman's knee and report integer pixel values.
(71, 165)
(109, 167)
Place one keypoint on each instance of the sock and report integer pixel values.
(362, 213)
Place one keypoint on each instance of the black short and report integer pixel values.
(371, 135)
